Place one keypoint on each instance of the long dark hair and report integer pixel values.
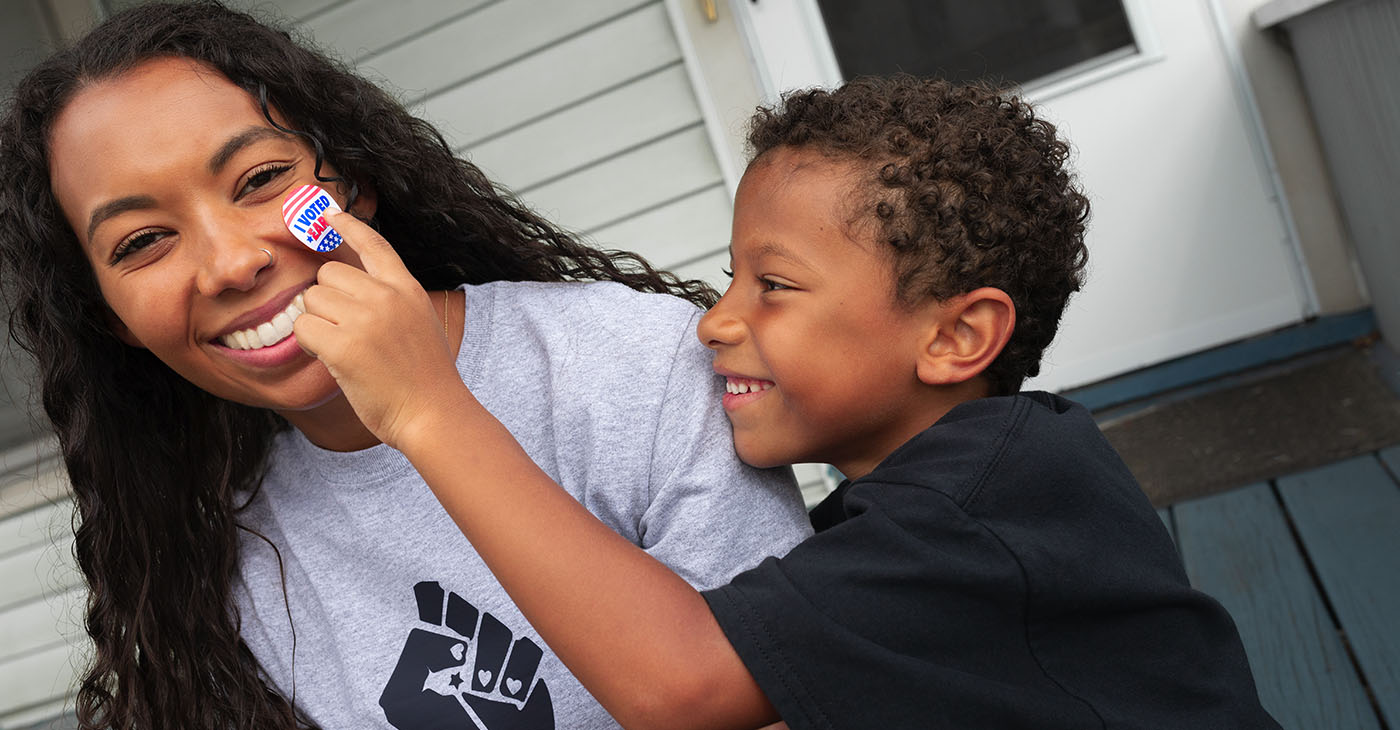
(155, 463)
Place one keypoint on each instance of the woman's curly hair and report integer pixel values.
(156, 464)
(966, 186)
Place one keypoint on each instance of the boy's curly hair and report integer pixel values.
(967, 187)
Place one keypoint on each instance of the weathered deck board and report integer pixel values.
(1391, 457)
(1237, 548)
(1348, 517)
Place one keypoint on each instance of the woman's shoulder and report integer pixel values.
(580, 332)
(582, 309)
(602, 296)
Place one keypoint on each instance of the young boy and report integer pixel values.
(902, 252)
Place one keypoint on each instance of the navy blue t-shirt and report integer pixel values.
(1002, 569)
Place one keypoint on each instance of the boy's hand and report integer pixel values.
(377, 333)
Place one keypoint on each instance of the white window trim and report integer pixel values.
(790, 49)
(729, 160)
(1094, 70)
(787, 44)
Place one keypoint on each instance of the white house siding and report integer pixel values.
(42, 644)
(583, 109)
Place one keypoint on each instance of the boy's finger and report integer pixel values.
(378, 257)
(328, 302)
(313, 333)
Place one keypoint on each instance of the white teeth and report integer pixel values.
(268, 333)
(283, 324)
(737, 387)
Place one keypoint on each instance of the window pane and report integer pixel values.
(1002, 40)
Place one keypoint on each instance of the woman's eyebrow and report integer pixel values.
(117, 207)
(238, 142)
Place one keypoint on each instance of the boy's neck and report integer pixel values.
(914, 419)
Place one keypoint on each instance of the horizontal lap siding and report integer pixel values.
(42, 644)
(584, 110)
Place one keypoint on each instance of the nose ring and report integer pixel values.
(270, 257)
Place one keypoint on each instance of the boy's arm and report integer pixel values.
(640, 638)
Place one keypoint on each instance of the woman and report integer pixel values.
(255, 558)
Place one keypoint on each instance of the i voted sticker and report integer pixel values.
(305, 214)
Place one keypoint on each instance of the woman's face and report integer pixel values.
(173, 182)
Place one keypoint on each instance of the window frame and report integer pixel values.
(790, 49)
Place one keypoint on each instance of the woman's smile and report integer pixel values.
(263, 337)
(267, 325)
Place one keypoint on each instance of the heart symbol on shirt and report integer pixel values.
(483, 676)
(512, 685)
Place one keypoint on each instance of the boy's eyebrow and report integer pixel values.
(769, 248)
(238, 142)
(117, 207)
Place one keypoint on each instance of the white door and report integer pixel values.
(1188, 245)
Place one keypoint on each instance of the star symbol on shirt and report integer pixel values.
(456, 681)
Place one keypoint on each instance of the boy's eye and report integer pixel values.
(135, 243)
(727, 272)
(770, 285)
(262, 176)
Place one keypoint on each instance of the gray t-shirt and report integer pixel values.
(390, 619)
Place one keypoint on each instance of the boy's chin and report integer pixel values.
(759, 457)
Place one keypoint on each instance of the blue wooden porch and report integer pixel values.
(1309, 566)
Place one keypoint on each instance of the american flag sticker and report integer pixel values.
(305, 214)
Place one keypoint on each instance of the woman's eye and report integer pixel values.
(135, 243)
(262, 176)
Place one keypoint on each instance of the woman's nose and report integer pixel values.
(232, 266)
(720, 326)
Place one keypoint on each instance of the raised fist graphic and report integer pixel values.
(461, 668)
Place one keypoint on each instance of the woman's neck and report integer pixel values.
(332, 425)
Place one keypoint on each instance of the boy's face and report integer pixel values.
(809, 327)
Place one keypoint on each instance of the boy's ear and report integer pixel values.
(966, 334)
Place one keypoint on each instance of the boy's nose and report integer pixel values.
(719, 326)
